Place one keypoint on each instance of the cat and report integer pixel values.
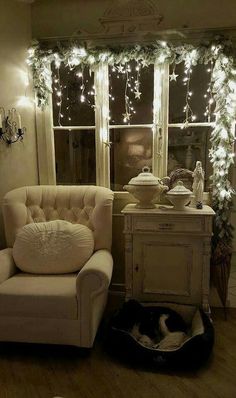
(150, 325)
(170, 340)
(142, 338)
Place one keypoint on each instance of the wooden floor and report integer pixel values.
(29, 371)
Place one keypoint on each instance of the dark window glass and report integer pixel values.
(187, 146)
(142, 112)
(75, 157)
(200, 94)
(73, 96)
(131, 150)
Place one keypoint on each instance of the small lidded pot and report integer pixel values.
(145, 188)
(179, 196)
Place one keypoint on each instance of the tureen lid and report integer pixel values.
(179, 189)
(145, 178)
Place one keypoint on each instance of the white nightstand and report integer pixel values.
(168, 254)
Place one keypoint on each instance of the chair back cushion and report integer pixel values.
(87, 205)
(54, 247)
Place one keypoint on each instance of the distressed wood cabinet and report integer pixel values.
(168, 254)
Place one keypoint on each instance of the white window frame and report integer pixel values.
(160, 125)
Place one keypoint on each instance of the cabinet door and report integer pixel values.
(167, 268)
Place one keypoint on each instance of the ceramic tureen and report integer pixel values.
(179, 196)
(145, 188)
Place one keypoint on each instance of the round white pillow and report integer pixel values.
(53, 247)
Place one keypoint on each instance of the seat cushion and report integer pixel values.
(42, 296)
(54, 247)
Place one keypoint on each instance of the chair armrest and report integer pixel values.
(92, 288)
(7, 265)
(96, 273)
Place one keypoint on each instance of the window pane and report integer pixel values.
(187, 146)
(131, 150)
(73, 96)
(75, 157)
(199, 97)
(143, 107)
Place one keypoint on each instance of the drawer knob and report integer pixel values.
(136, 268)
(166, 226)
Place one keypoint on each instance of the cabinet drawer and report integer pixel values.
(168, 224)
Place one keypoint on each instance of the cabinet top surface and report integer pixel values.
(165, 209)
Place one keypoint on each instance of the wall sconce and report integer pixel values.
(11, 130)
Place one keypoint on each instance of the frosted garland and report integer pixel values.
(222, 139)
(222, 91)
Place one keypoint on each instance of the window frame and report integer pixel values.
(160, 126)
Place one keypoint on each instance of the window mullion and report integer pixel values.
(160, 119)
(45, 144)
(101, 82)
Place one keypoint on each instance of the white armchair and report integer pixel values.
(63, 308)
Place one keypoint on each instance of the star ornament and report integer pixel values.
(120, 69)
(173, 76)
(144, 63)
(126, 116)
(137, 94)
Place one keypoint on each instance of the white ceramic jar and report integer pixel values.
(179, 196)
(145, 188)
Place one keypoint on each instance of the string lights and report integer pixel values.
(209, 96)
(220, 95)
(130, 73)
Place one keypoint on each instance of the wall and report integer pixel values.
(64, 18)
(18, 163)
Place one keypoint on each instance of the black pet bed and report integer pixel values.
(191, 354)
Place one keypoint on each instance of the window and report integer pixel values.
(111, 121)
(186, 146)
(74, 125)
(130, 94)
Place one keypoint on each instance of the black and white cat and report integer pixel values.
(153, 327)
(170, 340)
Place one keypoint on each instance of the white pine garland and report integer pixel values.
(223, 81)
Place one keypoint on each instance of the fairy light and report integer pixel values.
(137, 91)
(132, 85)
(91, 59)
(57, 61)
(209, 96)
(189, 115)
(58, 91)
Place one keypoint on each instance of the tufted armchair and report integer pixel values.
(58, 309)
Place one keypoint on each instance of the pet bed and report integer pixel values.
(191, 353)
